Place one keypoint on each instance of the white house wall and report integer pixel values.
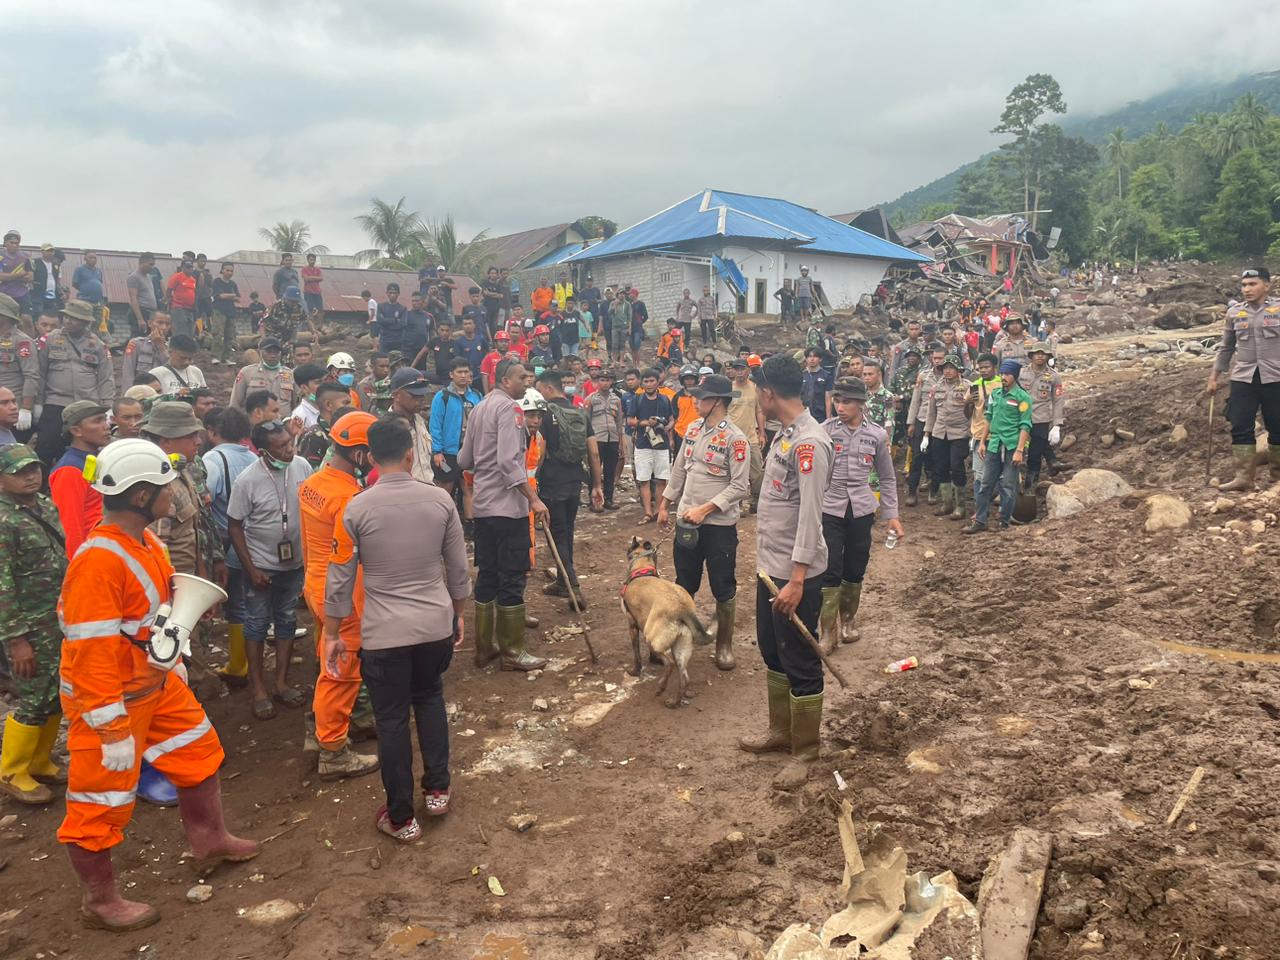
(844, 279)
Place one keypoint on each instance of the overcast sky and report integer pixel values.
(144, 124)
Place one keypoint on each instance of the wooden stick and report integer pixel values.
(573, 592)
(1187, 791)
(804, 631)
(1208, 466)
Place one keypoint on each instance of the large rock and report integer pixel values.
(1166, 512)
(1087, 488)
(1177, 316)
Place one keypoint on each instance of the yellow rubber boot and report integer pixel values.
(237, 661)
(42, 766)
(19, 747)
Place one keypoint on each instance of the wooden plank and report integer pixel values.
(1187, 791)
(1009, 897)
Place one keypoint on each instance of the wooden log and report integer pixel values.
(1185, 796)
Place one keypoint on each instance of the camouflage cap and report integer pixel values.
(78, 310)
(395, 356)
(73, 413)
(1040, 346)
(15, 457)
(9, 307)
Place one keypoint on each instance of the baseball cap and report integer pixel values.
(293, 293)
(410, 380)
(717, 386)
(15, 457)
(738, 362)
(269, 343)
(73, 413)
(851, 388)
(12, 235)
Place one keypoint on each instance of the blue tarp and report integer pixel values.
(729, 270)
(717, 214)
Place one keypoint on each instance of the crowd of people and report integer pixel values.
(369, 499)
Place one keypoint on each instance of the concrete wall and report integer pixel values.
(844, 279)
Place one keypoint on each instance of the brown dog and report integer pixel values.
(664, 613)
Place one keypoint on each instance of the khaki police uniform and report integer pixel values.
(1006, 348)
(1048, 406)
(20, 366)
(713, 466)
(70, 370)
(947, 426)
(256, 376)
(1250, 350)
(849, 505)
(141, 353)
(926, 381)
(797, 472)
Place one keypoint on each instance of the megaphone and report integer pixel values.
(171, 631)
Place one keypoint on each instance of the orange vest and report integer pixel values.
(321, 499)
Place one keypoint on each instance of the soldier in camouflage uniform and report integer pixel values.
(382, 388)
(284, 318)
(32, 562)
(902, 385)
(880, 408)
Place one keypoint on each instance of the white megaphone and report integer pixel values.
(171, 631)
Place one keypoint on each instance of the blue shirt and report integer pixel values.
(660, 408)
(87, 282)
(222, 465)
(391, 321)
(473, 349)
(449, 413)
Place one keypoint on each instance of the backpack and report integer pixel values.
(574, 427)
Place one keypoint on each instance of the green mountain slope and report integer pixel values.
(1173, 108)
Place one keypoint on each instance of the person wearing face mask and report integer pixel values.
(342, 369)
(307, 378)
(119, 705)
(262, 520)
(710, 478)
(322, 499)
(268, 374)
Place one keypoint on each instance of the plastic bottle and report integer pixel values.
(898, 666)
(891, 541)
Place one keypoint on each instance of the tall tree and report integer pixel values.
(1119, 152)
(1023, 108)
(594, 226)
(395, 233)
(291, 237)
(1240, 220)
(456, 256)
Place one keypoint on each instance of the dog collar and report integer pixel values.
(637, 574)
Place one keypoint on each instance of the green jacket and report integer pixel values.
(1008, 415)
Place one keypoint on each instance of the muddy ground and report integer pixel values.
(1044, 697)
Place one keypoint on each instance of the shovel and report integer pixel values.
(1024, 507)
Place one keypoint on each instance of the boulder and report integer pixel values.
(1166, 512)
(1085, 489)
(1177, 316)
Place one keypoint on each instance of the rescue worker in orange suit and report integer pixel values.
(322, 498)
(122, 708)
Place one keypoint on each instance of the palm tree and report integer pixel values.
(1252, 114)
(397, 233)
(457, 257)
(1161, 132)
(291, 237)
(1119, 150)
(1231, 135)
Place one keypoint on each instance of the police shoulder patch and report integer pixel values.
(804, 457)
(740, 450)
(24, 349)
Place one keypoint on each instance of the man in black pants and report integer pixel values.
(710, 478)
(604, 407)
(1250, 349)
(407, 536)
(792, 552)
(569, 442)
(493, 449)
(861, 448)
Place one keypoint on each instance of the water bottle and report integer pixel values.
(891, 541)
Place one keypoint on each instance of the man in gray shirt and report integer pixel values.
(407, 538)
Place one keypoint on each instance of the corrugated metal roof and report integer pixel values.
(716, 213)
(340, 286)
(555, 256)
(509, 252)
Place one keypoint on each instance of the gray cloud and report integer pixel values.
(170, 132)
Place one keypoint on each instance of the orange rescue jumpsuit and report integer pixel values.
(532, 458)
(112, 591)
(322, 498)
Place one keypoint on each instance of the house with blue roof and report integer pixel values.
(742, 247)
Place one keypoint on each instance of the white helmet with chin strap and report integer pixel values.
(532, 401)
(341, 361)
(123, 463)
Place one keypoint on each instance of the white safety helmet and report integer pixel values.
(123, 463)
(533, 401)
(342, 361)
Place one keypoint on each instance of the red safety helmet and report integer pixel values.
(502, 335)
(594, 364)
(540, 329)
(754, 360)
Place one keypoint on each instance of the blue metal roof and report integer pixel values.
(554, 257)
(715, 213)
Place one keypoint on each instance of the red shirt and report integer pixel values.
(182, 290)
(489, 366)
(311, 279)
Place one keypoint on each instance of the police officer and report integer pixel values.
(946, 435)
(1250, 349)
(493, 450)
(860, 449)
(1048, 405)
(33, 559)
(19, 363)
(709, 480)
(269, 374)
(74, 365)
(147, 352)
(792, 551)
(912, 341)
(926, 381)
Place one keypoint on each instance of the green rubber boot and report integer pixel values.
(724, 633)
(944, 500)
(958, 511)
(827, 634)
(486, 649)
(509, 629)
(1246, 469)
(778, 736)
(806, 726)
(850, 599)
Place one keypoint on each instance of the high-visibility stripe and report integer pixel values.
(101, 716)
(103, 798)
(177, 742)
(66, 688)
(139, 574)
(91, 629)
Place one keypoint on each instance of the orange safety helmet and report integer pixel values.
(754, 360)
(352, 429)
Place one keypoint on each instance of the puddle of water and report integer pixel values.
(1214, 653)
